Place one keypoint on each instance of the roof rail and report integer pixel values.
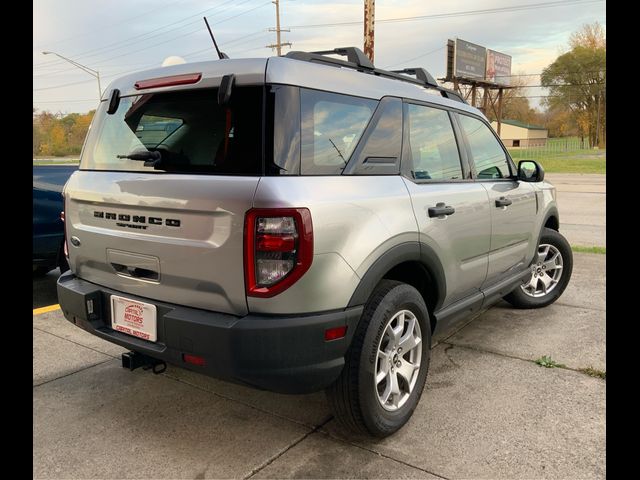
(353, 54)
(357, 60)
(420, 73)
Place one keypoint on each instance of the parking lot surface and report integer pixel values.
(488, 410)
(582, 204)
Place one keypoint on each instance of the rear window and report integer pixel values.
(191, 132)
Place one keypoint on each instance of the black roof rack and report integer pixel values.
(420, 74)
(357, 60)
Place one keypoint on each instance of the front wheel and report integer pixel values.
(386, 367)
(550, 273)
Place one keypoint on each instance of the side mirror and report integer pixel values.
(530, 171)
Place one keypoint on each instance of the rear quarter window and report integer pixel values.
(332, 124)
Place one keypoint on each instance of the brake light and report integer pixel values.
(171, 81)
(278, 249)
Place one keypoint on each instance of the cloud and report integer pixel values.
(533, 37)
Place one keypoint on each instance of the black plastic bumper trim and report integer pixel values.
(285, 353)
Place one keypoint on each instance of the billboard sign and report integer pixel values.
(470, 60)
(498, 67)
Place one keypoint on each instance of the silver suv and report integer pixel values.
(301, 223)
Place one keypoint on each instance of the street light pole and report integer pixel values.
(84, 68)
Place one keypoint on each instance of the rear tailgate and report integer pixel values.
(171, 237)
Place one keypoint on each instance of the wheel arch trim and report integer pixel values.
(418, 252)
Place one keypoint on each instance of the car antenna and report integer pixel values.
(221, 55)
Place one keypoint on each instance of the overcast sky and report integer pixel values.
(122, 36)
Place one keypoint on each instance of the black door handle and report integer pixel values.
(440, 210)
(503, 202)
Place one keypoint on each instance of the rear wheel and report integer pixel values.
(550, 273)
(386, 367)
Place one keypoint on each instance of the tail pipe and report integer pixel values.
(133, 360)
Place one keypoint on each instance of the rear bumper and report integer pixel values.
(286, 354)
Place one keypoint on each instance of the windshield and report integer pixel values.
(180, 131)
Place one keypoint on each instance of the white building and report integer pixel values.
(516, 134)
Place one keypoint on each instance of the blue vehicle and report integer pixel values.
(48, 228)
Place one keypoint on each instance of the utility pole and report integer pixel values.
(369, 14)
(598, 120)
(278, 45)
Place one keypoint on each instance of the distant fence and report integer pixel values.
(555, 147)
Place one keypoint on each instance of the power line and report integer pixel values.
(454, 14)
(415, 58)
(151, 46)
(208, 49)
(127, 41)
(117, 74)
(564, 73)
(197, 30)
(106, 27)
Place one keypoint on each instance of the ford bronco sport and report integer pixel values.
(301, 223)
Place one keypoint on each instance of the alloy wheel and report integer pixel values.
(398, 362)
(545, 272)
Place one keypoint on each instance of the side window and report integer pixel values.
(378, 153)
(432, 151)
(487, 153)
(332, 124)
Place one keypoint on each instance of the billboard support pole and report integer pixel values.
(473, 95)
(484, 101)
(499, 116)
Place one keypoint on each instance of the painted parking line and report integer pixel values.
(50, 308)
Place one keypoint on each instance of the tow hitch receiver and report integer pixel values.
(133, 360)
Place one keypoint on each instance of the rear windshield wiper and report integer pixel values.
(142, 156)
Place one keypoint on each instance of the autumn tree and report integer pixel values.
(559, 122)
(59, 135)
(576, 81)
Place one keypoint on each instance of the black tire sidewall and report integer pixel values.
(378, 420)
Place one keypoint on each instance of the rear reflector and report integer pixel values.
(171, 81)
(335, 333)
(194, 360)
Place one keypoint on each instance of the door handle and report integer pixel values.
(440, 210)
(503, 202)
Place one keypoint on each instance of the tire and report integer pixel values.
(355, 397)
(536, 293)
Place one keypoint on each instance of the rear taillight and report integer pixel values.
(278, 247)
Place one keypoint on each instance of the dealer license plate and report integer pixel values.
(134, 318)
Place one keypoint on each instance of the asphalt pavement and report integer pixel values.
(488, 410)
(582, 205)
